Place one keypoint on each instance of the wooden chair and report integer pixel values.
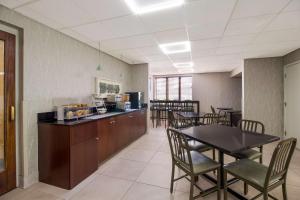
(213, 110)
(178, 124)
(210, 118)
(251, 126)
(192, 163)
(263, 178)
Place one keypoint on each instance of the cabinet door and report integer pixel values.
(106, 143)
(122, 131)
(83, 152)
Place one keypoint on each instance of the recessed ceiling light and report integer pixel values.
(184, 65)
(175, 47)
(146, 6)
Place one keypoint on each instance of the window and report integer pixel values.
(161, 88)
(173, 88)
(186, 88)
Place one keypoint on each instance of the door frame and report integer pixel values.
(10, 126)
(284, 96)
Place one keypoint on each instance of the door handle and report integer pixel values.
(12, 113)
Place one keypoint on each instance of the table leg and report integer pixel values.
(230, 118)
(221, 161)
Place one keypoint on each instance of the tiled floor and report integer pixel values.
(142, 172)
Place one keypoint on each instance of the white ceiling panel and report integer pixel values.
(115, 28)
(171, 36)
(236, 40)
(104, 9)
(66, 12)
(248, 25)
(80, 37)
(206, 31)
(231, 50)
(205, 12)
(203, 53)
(250, 8)
(14, 3)
(286, 20)
(278, 36)
(205, 44)
(293, 5)
(150, 50)
(181, 57)
(28, 12)
(129, 42)
(162, 21)
(157, 57)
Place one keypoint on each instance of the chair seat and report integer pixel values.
(250, 171)
(249, 154)
(202, 163)
(198, 146)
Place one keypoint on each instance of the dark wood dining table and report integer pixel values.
(227, 140)
(231, 112)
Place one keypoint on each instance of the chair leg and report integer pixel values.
(261, 159)
(172, 178)
(246, 188)
(192, 188)
(214, 154)
(284, 192)
(219, 184)
(266, 196)
(225, 185)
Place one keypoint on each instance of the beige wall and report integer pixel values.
(292, 57)
(139, 76)
(217, 89)
(263, 92)
(55, 66)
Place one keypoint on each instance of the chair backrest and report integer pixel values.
(181, 153)
(213, 110)
(171, 119)
(210, 118)
(251, 126)
(280, 160)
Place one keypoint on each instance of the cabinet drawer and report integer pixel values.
(83, 132)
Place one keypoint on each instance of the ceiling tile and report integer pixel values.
(129, 42)
(205, 12)
(181, 57)
(205, 44)
(171, 36)
(13, 3)
(80, 37)
(103, 9)
(203, 53)
(115, 28)
(246, 8)
(248, 25)
(236, 40)
(162, 21)
(66, 12)
(206, 31)
(285, 21)
(278, 36)
(231, 50)
(28, 12)
(293, 5)
(150, 50)
(157, 57)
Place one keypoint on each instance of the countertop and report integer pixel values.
(87, 119)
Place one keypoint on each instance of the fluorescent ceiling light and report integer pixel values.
(137, 7)
(176, 47)
(184, 65)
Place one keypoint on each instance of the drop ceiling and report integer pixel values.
(221, 33)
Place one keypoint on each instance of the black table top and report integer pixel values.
(222, 108)
(229, 140)
(191, 114)
(233, 111)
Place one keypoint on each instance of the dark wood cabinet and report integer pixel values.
(67, 154)
(70, 153)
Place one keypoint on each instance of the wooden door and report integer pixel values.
(7, 113)
(292, 99)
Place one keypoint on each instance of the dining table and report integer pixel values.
(227, 140)
(231, 113)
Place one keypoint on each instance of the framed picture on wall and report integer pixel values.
(104, 87)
